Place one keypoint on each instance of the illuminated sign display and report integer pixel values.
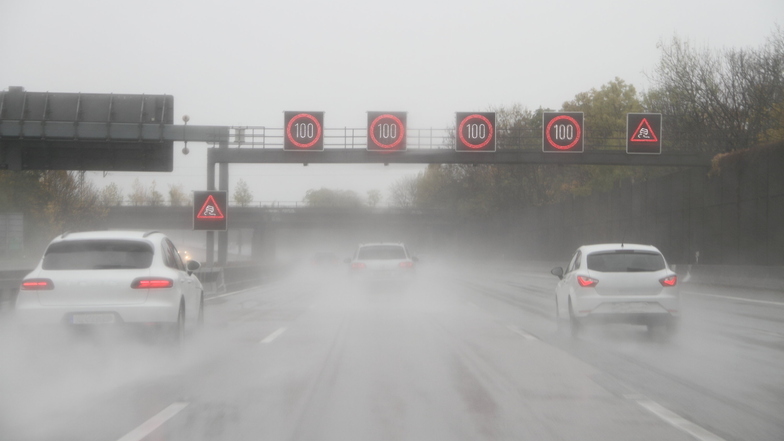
(304, 131)
(475, 132)
(209, 210)
(386, 131)
(563, 132)
(643, 133)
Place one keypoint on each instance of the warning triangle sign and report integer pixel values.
(644, 133)
(210, 210)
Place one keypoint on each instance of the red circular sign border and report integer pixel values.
(291, 138)
(576, 138)
(468, 144)
(399, 139)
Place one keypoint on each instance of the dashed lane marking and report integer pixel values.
(741, 299)
(153, 423)
(522, 333)
(273, 336)
(675, 419)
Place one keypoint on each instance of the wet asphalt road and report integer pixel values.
(459, 356)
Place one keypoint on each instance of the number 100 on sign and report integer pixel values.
(303, 131)
(475, 132)
(563, 132)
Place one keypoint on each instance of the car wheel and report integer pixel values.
(200, 319)
(574, 322)
(178, 330)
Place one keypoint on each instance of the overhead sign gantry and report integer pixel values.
(105, 132)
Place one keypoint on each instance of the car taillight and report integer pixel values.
(358, 266)
(151, 283)
(587, 282)
(669, 281)
(37, 285)
(406, 264)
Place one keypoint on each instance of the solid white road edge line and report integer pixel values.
(766, 302)
(273, 336)
(153, 423)
(677, 421)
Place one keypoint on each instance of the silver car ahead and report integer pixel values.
(624, 283)
(112, 278)
(382, 262)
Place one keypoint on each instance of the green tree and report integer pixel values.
(156, 198)
(242, 194)
(605, 112)
(139, 194)
(73, 204)
(177, 196)
(325, 197)
(111, 195)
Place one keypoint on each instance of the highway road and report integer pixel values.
(466, 354)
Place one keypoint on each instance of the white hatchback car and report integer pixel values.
(112, 278)
(382, 262)
(624, 283)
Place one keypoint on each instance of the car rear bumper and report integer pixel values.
(627, 308)
(157, 312)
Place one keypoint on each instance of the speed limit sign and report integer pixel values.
(563, 132)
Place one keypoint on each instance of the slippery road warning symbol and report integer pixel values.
(209, 208)
(643, 133)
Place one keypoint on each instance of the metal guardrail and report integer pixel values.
(9, 287)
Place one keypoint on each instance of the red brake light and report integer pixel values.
(669, 281)
(37, 285)
(587, 282)
(406, 264)
(152, 282)
(357, 265)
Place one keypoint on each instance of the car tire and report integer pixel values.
(574, 323)
(177, 335)
(200, 318)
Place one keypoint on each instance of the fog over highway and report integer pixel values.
(470, 352)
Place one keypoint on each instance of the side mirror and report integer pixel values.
(415, 259)
(347, 260)
(192, 266)
(557, 272)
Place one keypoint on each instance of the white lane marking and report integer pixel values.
(765, 302)
(522, 333)
(153, 423)
(677, 421)
(273, 336)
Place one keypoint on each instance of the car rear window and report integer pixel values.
(98, 254)
(381, 253)
(625, 261)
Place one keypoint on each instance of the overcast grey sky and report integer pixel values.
(236, 62)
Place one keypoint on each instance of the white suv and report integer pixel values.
(112, 278)
(617, 283)
(390, 262)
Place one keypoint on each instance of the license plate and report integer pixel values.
(631, 307)
(98, 318)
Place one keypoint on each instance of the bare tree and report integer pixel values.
(373, 197)
(404, 192)
(720, 100)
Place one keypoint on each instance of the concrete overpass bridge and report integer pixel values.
(269, 230)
